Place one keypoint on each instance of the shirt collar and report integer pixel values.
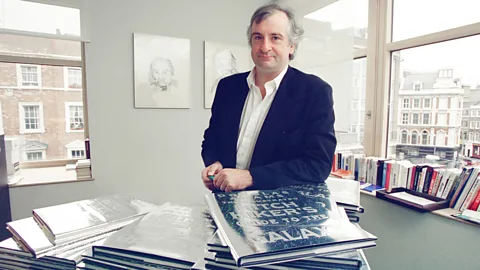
(276, 81)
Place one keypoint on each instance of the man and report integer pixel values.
(273, 126)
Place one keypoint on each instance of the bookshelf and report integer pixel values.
(432, 186)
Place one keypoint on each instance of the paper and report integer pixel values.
(411, 198)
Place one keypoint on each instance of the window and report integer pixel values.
(343, 8)
(73, 78)
(470, 136)
(31, 117)
(442, 119)
(78, 154)
(477, 137)
(76, 149)
(426, 103)
(417, 86)
(465, 113)
(415, 119)
(478, 113)
(440, 141)
(34, 156)
(28, 76)
(353, 128)
(74, 116)
(478, 125)
(406, 103)
(424, 137)
(472, 125)
(443, 103)
(416, 103)
(354, 105)
(426, 119)
(56, 20)
(405, 118)
(459, 13)
(414, 137)
(43, 113)
(404, 137)
(472, 113)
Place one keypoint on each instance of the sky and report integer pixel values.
(411, 18)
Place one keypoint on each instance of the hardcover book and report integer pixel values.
(171, 235)
(346, 258)
(66, 222)
(271, 226)
(30, 237)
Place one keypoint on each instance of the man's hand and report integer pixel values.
(211, 170)
(229, 180)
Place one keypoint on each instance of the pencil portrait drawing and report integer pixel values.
(161, 71)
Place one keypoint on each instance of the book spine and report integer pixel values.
(471, 195)
(476, 202)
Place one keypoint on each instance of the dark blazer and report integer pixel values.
(297, 141)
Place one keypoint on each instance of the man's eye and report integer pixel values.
(257, 37)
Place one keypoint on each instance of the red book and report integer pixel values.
(476, 202)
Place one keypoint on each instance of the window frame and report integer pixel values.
(20, 76)
(52, 62)
(67, 116)
(25, 155)
(380, 48)
(66, 78)
(21, 118)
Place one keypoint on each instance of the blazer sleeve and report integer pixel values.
(314, 163)
(210, 147)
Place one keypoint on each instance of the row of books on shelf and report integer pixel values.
(298, 227)
(460, 187)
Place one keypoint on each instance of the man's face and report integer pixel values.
(270, 43)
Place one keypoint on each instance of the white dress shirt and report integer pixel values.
(254, 112)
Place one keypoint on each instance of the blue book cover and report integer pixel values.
(270, 226)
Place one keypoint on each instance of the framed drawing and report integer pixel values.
(161, 71)
(222, 60)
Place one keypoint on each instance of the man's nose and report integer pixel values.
(265, 46)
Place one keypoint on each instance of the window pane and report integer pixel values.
(41, 129)
(413, 18)
(346, 14)
(41, 18)
(448, 72)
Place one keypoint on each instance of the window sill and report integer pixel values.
(45, 176)
(446, 213)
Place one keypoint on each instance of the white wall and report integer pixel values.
(153, 153)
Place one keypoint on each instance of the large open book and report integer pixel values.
(270, 226)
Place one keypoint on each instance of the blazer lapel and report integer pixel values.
(274, 124)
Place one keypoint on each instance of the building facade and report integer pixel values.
(430, 116)
(41, 106)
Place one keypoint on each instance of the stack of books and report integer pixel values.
(346, 194)
(294, 227)
(63, 233)
(83, 169)
(172, 236)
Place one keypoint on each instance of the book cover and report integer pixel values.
(171, 231)
(269, 226)
(64, 222)
(30, 237)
